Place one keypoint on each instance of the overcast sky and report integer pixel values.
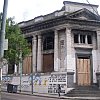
(28, 9)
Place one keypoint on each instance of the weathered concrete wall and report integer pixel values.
(94, 63)
(42, 83)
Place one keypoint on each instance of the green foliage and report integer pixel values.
(16, 43)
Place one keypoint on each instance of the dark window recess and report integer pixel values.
(48, 43)
(10, 68)
(83, 57)
(82, 38)
(76, 38)
(89, 39)
(62, 42)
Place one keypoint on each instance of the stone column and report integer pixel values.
(98, 50)
(98, 40)
(39, 55)
(86, 42)
(79, 38)
(96, 54)
(70, 56)
(68, 40)
(34, 49)
(56, 60)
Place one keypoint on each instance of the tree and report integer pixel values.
(16, 43)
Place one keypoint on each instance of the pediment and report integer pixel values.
(83, 14)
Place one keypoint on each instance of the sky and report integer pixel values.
(23, 10)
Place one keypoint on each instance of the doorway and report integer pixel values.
(83, 71)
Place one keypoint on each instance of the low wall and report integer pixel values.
(42, 83)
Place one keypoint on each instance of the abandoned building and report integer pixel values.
(65, 47)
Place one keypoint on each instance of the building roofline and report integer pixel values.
(22, 22)
(77, 3)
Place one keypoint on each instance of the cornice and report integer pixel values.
(59, 21)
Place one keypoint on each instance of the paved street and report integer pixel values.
(36, 96)
(12, 96)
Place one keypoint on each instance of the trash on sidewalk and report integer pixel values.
(12, 88)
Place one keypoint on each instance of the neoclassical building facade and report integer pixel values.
(66, 41)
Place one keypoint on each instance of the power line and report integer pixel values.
(93, 8)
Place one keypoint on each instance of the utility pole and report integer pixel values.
(2, 37)
(3, 25)
(20, 68)
(32, 76)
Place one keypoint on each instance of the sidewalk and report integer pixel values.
(61, 97)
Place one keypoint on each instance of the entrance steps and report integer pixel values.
(86, 91)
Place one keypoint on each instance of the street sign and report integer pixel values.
(6, 44)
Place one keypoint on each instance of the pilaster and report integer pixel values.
(34, 49)
(56, 60)
(70, 60)
(98, 50)
(39, 54)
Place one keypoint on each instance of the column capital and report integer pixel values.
(98, 32)
(68, 28)
(98, 29)
(34, 38)
(39, 36)
(55, 32)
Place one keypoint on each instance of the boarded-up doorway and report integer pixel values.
(27, 63)
(48, 63)
(83, 71)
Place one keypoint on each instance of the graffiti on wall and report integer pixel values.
(6, 79)
(38, 80)
(56, 79)
(25, 84)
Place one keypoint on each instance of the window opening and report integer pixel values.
(82, 38)
(48, 43)
(76, 38)
(89, 39)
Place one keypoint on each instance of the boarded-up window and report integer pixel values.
(27, 63)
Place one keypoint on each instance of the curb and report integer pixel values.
(53, 96)
(43, 95)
